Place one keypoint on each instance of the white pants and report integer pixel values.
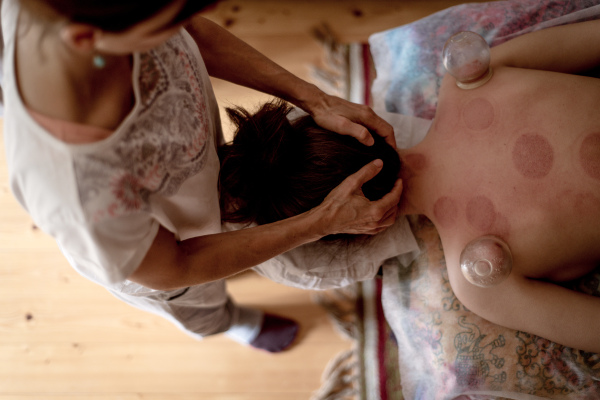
(200, 311)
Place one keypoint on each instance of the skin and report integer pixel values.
(519, 158)
(60, 62)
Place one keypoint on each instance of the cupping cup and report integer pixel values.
(486, 261)
(466, 56)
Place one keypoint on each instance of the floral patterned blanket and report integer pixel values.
(445, 351)
(408, 58)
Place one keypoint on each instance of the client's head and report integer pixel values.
(276, 168)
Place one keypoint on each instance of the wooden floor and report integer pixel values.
(62, 337)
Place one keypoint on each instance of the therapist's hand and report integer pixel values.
(346, 118)
(347, 210)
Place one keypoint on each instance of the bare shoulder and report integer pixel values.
(490, 302)
(495, 303)
(538, 307)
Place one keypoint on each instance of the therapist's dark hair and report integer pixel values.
(276, 168)
(109, 15)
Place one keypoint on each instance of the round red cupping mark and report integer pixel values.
(586, 201)
(501, 226)
(416, 161)
(445, 210)
(478, 114)
(589, 155)
(533, 156)
(481, 213)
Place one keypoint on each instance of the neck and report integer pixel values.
(62, 83)
(414, 165)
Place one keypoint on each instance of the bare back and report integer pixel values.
(519, 158)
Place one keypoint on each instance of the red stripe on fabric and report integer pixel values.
(382, 338)
(366, 53)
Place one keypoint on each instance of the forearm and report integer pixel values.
(570, 48)
(169, 264)
(236, 251)
(229, 58)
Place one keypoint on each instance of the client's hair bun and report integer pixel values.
(276, 168)
(255, 165)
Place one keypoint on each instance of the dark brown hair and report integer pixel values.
(275, 169)
(110, 15)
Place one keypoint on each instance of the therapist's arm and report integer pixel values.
(171, 265)
(229, 58)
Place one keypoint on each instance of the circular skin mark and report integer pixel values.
(481, 213)
(501, 226)
(416, 161)
(445, 211)
(533, 156)
(586, 203)
(478, 114)
(589, 155)
(580, 204)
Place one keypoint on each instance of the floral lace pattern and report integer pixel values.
(161, 147)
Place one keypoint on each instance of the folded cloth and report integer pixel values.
(325, 265)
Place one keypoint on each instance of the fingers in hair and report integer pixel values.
(355, 181)
(393, 197)
(377, 125)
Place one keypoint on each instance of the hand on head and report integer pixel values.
(346, 118)
(275, 169)
(347, 210)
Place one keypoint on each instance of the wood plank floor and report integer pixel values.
(62, 337)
